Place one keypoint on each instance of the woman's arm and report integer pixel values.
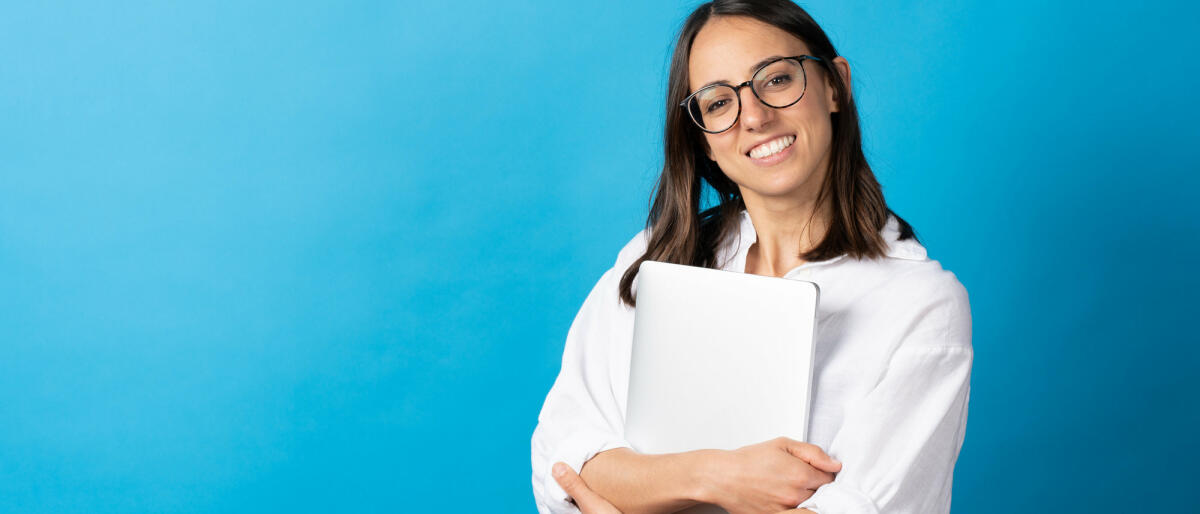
(636, 483)
(766, 477)
(591, 503)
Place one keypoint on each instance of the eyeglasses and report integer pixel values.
(779, 83)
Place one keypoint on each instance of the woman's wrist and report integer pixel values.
(705, 474)
(636, 482)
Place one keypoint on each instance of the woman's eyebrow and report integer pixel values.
(749, 70)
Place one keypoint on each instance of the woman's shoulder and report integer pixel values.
(909, 291)
(607, 285)
(925, 297)
(632, 250)
(928, 279)
(910, 268)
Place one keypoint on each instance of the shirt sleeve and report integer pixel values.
(581, 415)
(899, 444)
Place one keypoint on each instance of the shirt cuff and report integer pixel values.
(835, 498)
(575, 451)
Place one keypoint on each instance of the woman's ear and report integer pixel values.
(842, 66)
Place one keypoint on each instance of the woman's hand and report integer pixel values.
(587, 500)
(768, 477)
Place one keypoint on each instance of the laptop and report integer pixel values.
(720, 360)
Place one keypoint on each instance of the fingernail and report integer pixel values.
(560, 469)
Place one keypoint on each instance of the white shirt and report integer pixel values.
(890, 390)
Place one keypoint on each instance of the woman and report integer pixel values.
(760, 109)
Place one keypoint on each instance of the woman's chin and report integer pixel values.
(778, 187)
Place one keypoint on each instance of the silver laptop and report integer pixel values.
(720, 359)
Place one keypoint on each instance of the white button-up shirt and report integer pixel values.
(890, 390)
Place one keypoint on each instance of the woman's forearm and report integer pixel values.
(637, 483)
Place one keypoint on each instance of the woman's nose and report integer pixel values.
(755, 114)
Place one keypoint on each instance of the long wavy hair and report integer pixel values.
(680, 233)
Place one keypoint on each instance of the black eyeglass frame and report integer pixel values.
(737, 91)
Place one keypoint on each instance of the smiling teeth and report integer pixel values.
(772, 147)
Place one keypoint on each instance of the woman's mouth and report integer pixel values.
(772, 151)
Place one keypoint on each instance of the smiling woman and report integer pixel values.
(760, 110)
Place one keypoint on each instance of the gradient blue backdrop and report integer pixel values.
(314, 257)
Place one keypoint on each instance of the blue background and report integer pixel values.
(323, 256)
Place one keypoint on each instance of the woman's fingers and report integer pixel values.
(587, 500)
(812, 454)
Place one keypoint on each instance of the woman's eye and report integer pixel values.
(715, 105)
(779, 80)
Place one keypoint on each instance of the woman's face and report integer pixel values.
(727, 49)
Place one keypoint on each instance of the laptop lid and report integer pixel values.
(720, 359)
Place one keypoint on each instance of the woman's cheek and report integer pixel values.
(727, 157)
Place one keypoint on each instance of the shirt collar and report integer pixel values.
(908, 249)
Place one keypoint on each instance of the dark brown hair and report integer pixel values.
(680, 233)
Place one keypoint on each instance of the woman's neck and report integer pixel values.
(785, 229)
